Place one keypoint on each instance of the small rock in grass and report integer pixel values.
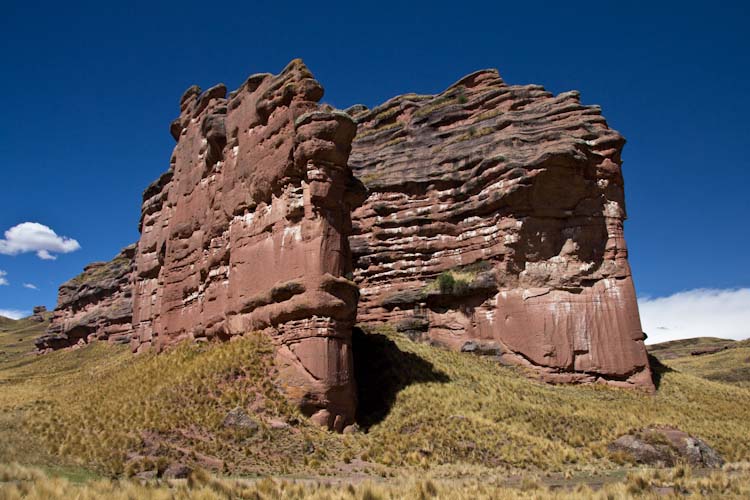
(177, 471)
(239, 419)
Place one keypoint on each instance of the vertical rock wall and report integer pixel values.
(517, 194)
(248, 229)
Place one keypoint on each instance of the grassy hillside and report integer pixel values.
(17, 336)
(686, 347)
(730, 364)
(423, 407)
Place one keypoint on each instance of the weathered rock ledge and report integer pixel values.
(95, 305)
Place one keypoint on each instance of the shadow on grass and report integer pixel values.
(658, 369)
(381, 370)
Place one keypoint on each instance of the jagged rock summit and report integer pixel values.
(492, 222)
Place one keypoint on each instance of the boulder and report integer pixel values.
(237, 418)
(176, 471)
(38, 314)
(666, 447)
(147, 475)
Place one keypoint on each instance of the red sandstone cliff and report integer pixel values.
(248, 229)
(513, 195)
(517, 195)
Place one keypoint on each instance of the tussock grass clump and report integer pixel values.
(438, 103)
(456, 281)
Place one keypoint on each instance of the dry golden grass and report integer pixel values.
(730, 366)
(439, 411)
(17, 336)
(20, 482)
(489, 414)
(92, 406)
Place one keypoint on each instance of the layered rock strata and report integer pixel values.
(515, 196)
(493, 225)
(95, 305)
(247, 231)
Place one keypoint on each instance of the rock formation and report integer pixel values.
(247, 231)
(666, 447)
(495, 220)
(493, 223)
(39, 314)
(96, 304)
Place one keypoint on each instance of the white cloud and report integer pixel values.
(13, 313)
(30, 286)
(3, 281)
(703, 312)
(35, 237)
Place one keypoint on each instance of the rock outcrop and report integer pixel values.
(493, 224)
(666, 447)
(39, 314)
(96, 304)
(513, 198)
(247, 231)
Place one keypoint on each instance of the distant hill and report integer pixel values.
(6, 322)
(17, 335)
(689, 347)
(720, 360)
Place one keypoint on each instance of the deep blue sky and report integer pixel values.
(89, 91)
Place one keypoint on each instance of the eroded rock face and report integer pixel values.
(247, 231)
(518, 195)
(95, 305)
(493, 225)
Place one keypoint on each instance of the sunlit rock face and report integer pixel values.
(493, 224)
(519, 194)
(247, 231)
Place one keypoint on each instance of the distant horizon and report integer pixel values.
(91, 114)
